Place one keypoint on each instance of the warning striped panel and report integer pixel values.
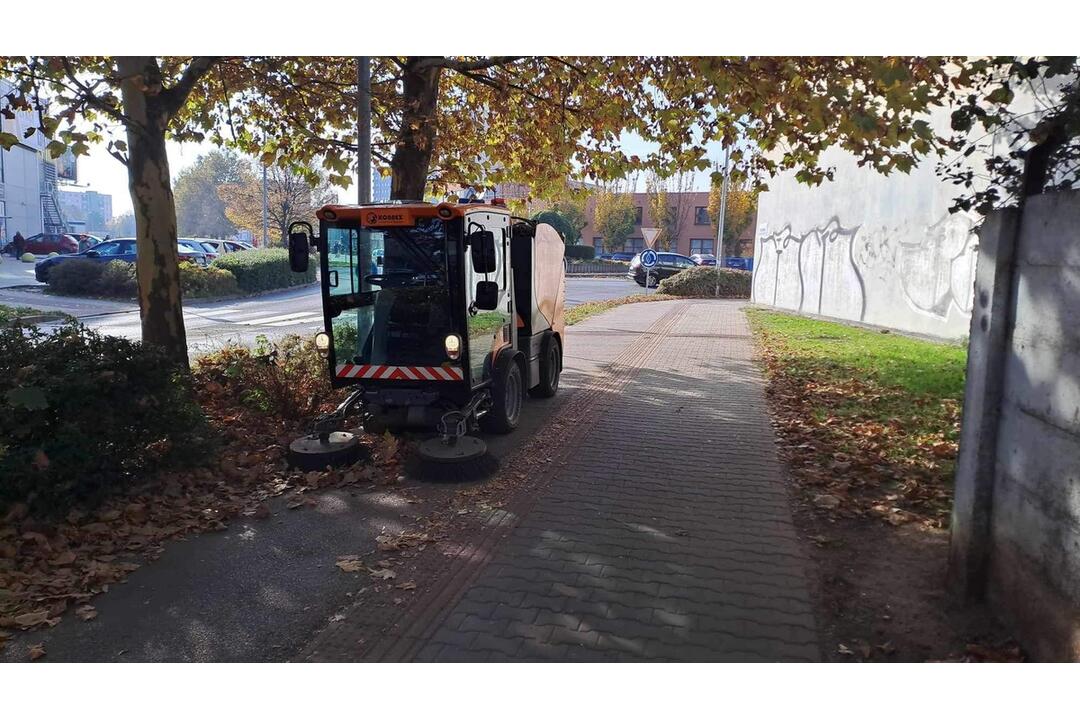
(400, 372)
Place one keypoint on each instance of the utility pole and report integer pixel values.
(720, 220)
(363, 133)
(266, 212)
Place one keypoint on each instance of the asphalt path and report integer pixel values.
(260, 589)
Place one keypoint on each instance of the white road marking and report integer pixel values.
(277, 320)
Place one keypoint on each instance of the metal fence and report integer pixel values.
(596, 268)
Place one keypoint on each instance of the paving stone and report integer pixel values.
(667, 536)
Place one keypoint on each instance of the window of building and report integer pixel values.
(701, 247)
(637, 215)
(634, 245)
(598, 243)
(701, 216)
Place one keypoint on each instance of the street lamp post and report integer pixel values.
(266, 212)
(363, 133)
(720, 220)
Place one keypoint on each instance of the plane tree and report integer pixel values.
(80, 100)
(440, 121)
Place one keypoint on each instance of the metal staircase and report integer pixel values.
(52, 218)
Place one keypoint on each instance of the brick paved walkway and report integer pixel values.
(667, 536)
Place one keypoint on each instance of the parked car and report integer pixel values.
(703, 259)
(221, 247)
(45, 243)
(623, 256)
(196, 251)
(109, 250)
(667, 264)
(86, 240)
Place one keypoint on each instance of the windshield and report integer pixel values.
(389, 301)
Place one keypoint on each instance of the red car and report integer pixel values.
(45, 243)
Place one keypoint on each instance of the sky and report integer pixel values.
(101, 172)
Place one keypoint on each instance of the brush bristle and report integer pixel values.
(419, 468)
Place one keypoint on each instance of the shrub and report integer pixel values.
(75, 277)
(83, 415)
(288, 378)
(117, 279)
(264, 269)
(580, 252)
(701, 281)
(212, 281)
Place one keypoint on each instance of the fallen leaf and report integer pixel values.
(85, 613)
(844, 649)
(350, 565)
(384, 574)
(37, 651)
(29, 620)
(829, 502)
(65, 558)
(407, 585)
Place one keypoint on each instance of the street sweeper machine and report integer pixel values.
(442, 317)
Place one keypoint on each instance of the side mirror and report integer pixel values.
(299, 244)
(487, 295)
(483, 251)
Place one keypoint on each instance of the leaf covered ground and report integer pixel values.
(868, 423)
(50, 565)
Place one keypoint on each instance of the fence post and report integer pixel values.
(991, 320)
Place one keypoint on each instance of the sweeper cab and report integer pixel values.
(441, 317)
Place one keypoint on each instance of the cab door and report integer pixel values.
(488, 330)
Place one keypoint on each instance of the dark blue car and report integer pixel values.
(120, 249)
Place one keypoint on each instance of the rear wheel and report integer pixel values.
(550, 369)
(506, 398)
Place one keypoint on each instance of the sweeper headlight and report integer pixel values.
(322, 343)
(452, 343)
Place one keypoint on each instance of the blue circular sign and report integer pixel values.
(648, 258)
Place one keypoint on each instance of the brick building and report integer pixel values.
(696, 232)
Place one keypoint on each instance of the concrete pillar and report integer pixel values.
(991, 319)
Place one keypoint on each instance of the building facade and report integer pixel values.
(86, 211)
(696, 233)
(29, 181)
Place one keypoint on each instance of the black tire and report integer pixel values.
(653, 280)
(550, 369)
(507, 397)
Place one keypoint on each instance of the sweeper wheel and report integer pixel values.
(311, 453)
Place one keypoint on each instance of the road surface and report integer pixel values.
(212, 325)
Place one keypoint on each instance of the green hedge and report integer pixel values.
(117, 279)
(211, 281)
(264, 269)
(75, 277)
(580, 252)
(701, 281)
(83, 415)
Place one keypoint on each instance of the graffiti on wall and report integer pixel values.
(839, 270)
(938, 270)
(816, 258)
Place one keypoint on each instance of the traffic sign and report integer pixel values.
(649, 234)
(648, 258)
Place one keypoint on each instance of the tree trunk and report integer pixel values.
(416, 138)
(157, 262)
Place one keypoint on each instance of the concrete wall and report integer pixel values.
(868, 247)
(1034, 538)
